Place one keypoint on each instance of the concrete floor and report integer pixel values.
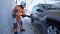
(30, 29)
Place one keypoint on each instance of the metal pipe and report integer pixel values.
(16, 2)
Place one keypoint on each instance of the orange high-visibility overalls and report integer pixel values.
(19, 11)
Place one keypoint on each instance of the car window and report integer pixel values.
(51, 7)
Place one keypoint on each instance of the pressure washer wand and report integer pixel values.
(25, 15)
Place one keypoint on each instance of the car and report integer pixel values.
(48, 16)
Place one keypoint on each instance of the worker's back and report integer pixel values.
(18, 9)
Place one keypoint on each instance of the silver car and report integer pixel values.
(48, 16)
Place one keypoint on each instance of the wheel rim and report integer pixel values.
(52, 30)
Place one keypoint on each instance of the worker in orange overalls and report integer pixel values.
(17, 12)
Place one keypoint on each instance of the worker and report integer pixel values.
(17, 12)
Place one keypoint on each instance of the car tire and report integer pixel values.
(50, 29)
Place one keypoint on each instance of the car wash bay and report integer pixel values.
(6, 24)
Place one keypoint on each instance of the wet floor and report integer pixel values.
(30, 29)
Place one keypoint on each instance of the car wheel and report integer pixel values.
(52, 29)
